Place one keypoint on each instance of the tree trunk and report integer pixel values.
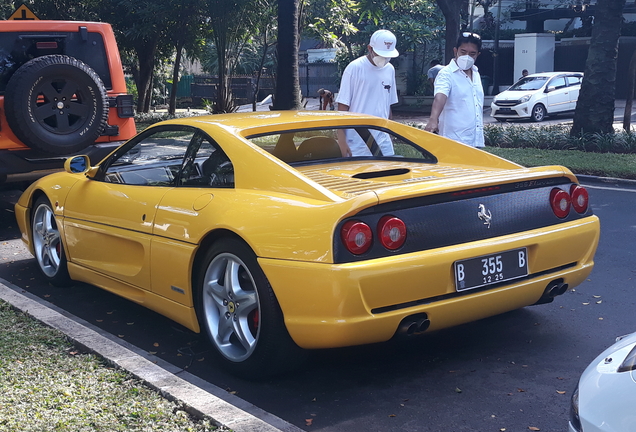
(172, 108)
(627, 116)
(146, 55)
(595, 107)
(452, 14)
(287, 95)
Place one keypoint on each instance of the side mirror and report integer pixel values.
(549, 89)
(77, 164)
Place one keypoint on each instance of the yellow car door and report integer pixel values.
(109, 219)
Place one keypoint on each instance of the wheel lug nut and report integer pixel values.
(235, 318)
(225, 302)
(227, 315)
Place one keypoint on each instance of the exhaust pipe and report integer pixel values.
(555, 288)
(413, 325)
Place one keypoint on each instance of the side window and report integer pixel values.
(206, 165)
(558, 82)
(155, 160)
(574, 80)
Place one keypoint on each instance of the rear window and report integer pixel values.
(324, 144)
(18, 48)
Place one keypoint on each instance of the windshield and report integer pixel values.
(529, 83)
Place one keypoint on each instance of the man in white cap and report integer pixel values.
(368, 87)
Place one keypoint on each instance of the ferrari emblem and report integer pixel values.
(484, 215)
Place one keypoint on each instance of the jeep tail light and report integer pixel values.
(392, 232)
(125, 105)
(580, 198)
(356, 236)
(46, 45)
(560, 201)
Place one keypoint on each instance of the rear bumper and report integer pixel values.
(333, 305)
(29, 165)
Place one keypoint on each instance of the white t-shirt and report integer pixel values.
(368, 89)
(462, 118)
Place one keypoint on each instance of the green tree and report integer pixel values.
(595, 107)
(185, 31)
(231, 22)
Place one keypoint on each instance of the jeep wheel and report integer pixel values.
(56, 104)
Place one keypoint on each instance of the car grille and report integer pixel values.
(507, 103)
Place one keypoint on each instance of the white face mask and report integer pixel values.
(465, 62)
(380, 61)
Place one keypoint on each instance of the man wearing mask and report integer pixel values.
(368, 87)
(457, 111)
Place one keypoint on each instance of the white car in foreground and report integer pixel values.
(537, 96)
(605, 398)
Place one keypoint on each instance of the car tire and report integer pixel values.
(47, 244)
(240, 314)
(56, 104)
(538, 113)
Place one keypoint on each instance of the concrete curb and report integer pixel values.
(606, 180)
(200, 398)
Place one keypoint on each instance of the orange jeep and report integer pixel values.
(62, 92)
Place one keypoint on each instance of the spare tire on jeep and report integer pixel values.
(56, 104)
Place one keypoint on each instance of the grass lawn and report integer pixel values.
(47, 385)
(598, 164)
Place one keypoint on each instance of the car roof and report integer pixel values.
(253, 123)
(552, 74)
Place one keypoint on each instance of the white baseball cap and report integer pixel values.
(383, 43)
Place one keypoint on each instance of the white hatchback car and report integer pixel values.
(605, 398)
(538, 95)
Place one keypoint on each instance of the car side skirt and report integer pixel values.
(184, 315)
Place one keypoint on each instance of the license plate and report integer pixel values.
(490, 269)
(505, 109)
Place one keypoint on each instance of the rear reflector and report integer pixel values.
(356, 236)
(560, 201)
(580, 198)
(392, 232)
(46, 45)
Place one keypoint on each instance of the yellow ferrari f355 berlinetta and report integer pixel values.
(256, 230)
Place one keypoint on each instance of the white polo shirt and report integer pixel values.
(462, 118)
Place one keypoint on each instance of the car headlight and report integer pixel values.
(629, 364)
(525, 98)
(575, 420)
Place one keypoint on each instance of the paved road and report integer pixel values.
(502, 372)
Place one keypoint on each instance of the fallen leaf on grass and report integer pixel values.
(391, 415)
(520, 390)
(308, 422)
(560, 392)
(458, 390)
(599, 302)
(596, 296)
(532, 428)
(131, 323)
(155, 344)
(99, 320)
(121, 336)
(585, 304)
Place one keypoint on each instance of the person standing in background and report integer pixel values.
(458, 104)
(435, 66)
(368, 87)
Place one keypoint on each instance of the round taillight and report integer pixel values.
(580, 198)
(356, 236)
(392, 232)
(560, 201)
